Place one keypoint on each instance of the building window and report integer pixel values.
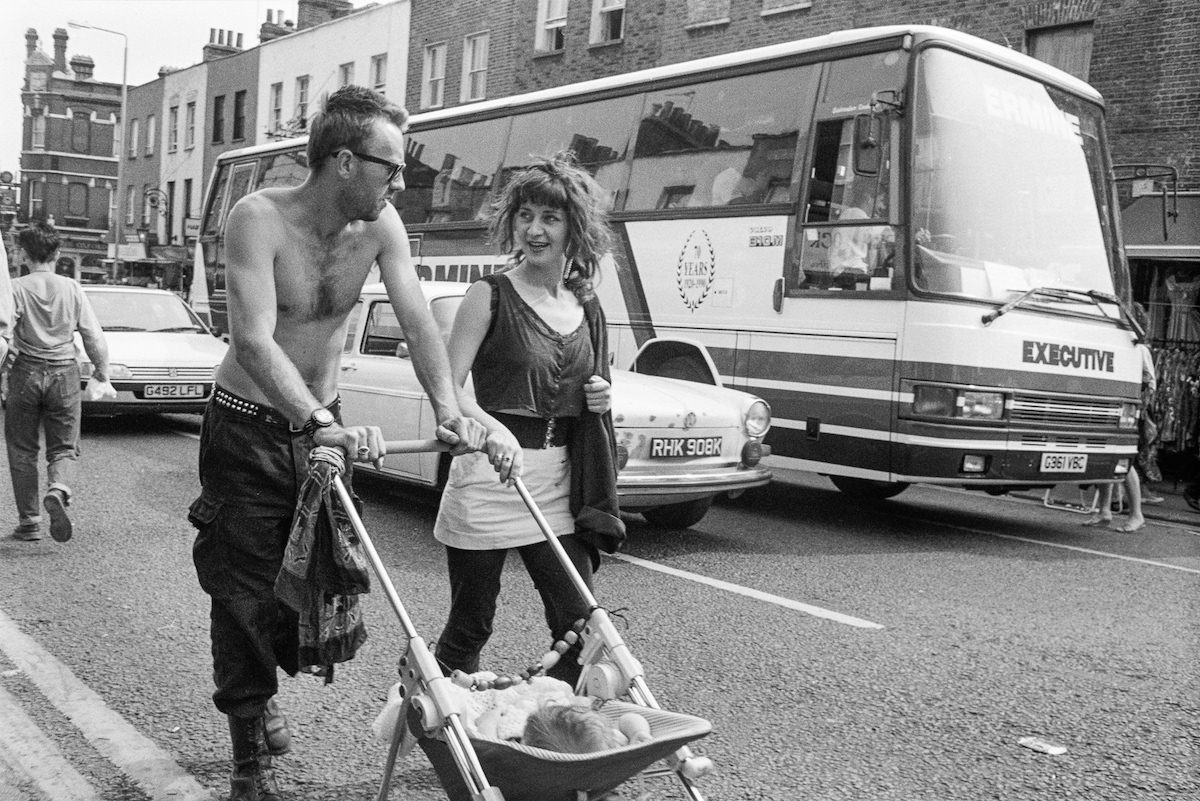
(190, 130)
(133, 139)
(218, 129)
(151, 133)
(346, 74)
(474, 74)
(379, 73)
(608, 21)
(276, 106)
(187, 200)
(39, 133)
(172, 129)
(551, 25)
(239, 115)
(1068, 47)
(145, 205)
(81, 131)
(77, 200)
(302, 101)
(433, 78)
(130, 205)
(35, 200)
(118, 141)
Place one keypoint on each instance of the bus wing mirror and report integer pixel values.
(867, 155)
(1165, 177)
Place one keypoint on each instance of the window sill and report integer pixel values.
(714, 23)
(549, 53)
(802, 5)
(602, 45)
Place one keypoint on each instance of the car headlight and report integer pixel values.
(114, 371)
(758, 419)
(970, 404)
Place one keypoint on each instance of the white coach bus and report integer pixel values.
(905, 239)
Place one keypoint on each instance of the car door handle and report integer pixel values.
(348, 367)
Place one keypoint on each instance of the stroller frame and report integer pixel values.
(609, 668)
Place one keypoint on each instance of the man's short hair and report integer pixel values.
(40, 241)
(347, 121)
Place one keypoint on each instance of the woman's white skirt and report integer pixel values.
(478, 513)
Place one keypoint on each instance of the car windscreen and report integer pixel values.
(142, 311)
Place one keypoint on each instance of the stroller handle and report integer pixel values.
(415, 446)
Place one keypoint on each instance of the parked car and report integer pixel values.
(162, 356)
(679, 443)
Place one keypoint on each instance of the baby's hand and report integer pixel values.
(635, 727)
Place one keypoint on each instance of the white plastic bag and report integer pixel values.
(98, 390)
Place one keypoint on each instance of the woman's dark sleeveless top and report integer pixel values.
(523, 363)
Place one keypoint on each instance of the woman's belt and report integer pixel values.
(537, 433)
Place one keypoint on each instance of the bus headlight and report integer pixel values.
(758, 419)
(969, 404)
(982, 405)
(1129, 416)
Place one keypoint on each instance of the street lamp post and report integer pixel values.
(118, 232)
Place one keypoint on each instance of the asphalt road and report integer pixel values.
(841, 651)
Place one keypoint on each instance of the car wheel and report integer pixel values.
(868, 490)
(679, 515)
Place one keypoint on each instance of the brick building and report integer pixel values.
(68, 151)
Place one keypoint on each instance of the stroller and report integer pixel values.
(484, 769)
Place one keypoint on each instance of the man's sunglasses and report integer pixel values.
(395, 168)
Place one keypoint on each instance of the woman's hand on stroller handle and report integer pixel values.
(504, 453)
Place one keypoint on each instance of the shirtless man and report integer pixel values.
(296, 261)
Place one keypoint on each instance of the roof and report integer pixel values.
(1142, 227)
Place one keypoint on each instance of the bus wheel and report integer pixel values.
(867, 489)
(679, 515)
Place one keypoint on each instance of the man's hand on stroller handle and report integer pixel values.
(462, 434)
(361, 443)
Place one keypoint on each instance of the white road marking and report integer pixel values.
(153, 769)
(25, 748)
(1058, 545)
(757, 595)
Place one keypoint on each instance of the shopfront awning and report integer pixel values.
(1142, 226)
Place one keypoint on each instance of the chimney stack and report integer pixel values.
(83, 67)
(220, 44)
(60, 49)
(31, 41)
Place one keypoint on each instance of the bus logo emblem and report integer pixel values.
(696, 269)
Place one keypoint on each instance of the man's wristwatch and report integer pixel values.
(320, 418)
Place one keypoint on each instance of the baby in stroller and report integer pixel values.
(540, 713)
(545, 713)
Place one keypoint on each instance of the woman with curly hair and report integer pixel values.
(533, 340)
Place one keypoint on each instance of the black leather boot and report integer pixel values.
(279, 736)
(252, 778)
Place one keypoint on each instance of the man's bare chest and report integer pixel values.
(319, 281)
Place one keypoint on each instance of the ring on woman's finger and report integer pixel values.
(364, 450)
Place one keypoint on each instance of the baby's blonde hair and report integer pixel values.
(568, 729)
